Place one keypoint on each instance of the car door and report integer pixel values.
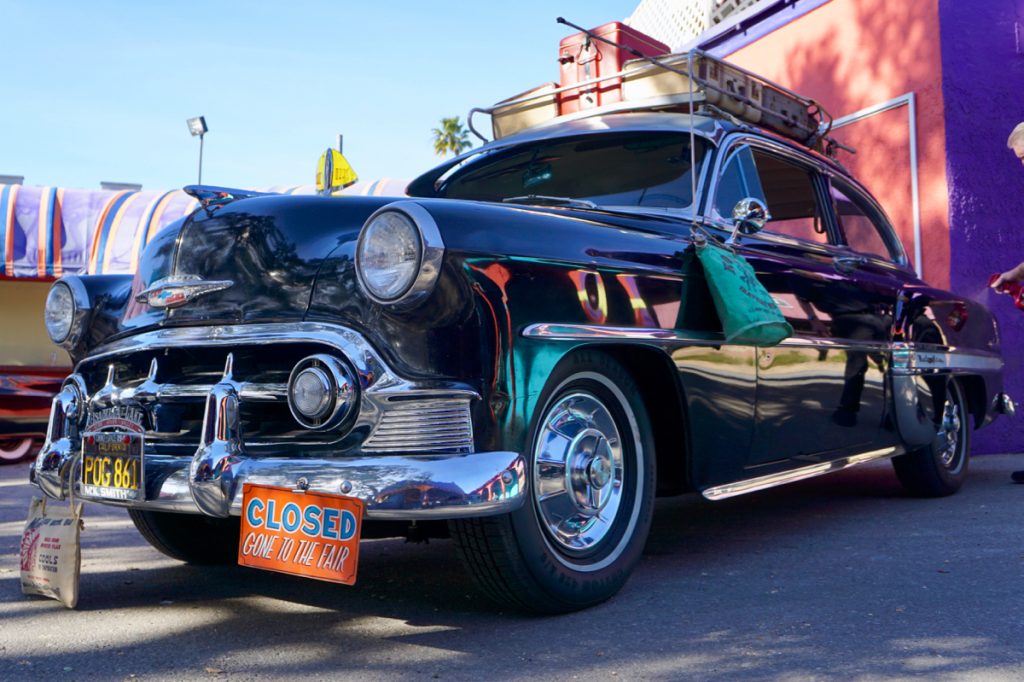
(820, 394)
(873, 259)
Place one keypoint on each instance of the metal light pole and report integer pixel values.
(197, 126)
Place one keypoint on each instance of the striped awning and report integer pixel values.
(53, 231)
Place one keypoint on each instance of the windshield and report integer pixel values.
(622, 170)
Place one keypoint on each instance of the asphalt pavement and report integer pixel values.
(842, 577)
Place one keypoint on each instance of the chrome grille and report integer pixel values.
(423, 425)
(171, 372)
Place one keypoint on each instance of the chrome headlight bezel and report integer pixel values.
(431, 254)
(341, 387)
(80, 307)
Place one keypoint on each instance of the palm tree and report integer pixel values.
(452, 137)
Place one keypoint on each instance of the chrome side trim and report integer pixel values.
(908, 360)
(750, 485)
(592, 332)
(836, 344)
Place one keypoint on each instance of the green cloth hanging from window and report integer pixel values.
(749, 315)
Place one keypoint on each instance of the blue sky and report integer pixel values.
(100, 90)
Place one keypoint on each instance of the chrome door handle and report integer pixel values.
(848, 264)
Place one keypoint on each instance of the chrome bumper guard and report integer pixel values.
(397, 486)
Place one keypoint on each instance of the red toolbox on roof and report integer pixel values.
(583, 59)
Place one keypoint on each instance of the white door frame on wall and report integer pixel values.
(894, 103)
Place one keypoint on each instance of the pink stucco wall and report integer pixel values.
(853, 54)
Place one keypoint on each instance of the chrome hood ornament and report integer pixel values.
(173, 292)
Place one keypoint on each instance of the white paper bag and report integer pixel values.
(51, 557)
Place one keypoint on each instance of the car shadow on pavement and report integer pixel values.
(842, 576)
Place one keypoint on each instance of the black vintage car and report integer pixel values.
(523, 353)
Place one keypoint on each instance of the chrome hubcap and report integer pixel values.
(578, 472)
(949, 430)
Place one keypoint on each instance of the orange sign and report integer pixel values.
(315, 535)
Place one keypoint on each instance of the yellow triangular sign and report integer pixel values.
(333, 171)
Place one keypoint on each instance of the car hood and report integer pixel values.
(262, 254)
(265, 254)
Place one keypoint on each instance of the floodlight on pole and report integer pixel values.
(197, 126)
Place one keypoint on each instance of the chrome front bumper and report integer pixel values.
(399, 485)
(391, 487)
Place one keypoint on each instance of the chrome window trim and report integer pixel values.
(818, 171)
(730, 147)
(688, 213)
(901, 262)
(431, 255)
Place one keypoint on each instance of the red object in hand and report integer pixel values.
(1014, 289)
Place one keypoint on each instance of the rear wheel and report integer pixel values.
(583, 526)
(13, 449)
(939, 469)
(192, 538)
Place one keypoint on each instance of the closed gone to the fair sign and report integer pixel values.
(315, 535)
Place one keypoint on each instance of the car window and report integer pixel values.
(785, 188)
(634, 169)
(863, 227)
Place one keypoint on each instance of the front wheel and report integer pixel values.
(939, 469)
(583, 527)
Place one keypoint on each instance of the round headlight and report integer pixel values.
(322, 392)
(59, 313)
(388, 255)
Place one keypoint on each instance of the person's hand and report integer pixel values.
(1014, 275)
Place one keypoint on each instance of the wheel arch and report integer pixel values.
(664, 398)
(977, 397)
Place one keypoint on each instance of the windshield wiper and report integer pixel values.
(544, 200)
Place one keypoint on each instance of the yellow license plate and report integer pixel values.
(112, 466)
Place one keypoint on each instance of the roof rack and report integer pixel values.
(691, 81)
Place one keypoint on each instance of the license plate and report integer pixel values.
(112, 465)
(315, 535)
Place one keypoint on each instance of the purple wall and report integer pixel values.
(983, 89)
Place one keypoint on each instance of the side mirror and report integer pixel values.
(748, 217)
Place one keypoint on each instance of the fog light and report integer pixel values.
(311, 393)
(322, 392)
